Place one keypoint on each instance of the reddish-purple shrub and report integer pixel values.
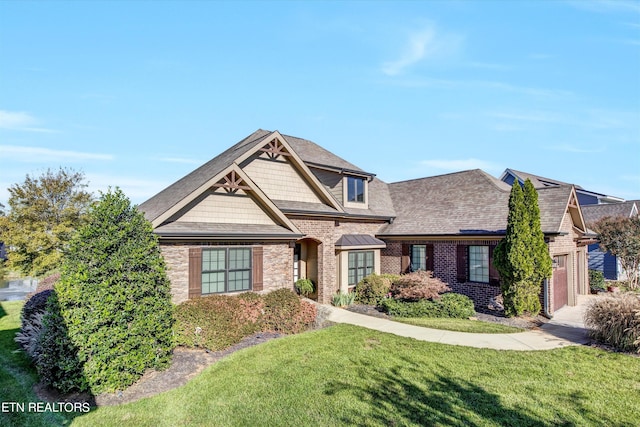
(418, 285)
(216, 322)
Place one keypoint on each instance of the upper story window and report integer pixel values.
(355, 189)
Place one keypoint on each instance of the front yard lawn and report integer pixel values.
(459, 325)
(345, 375)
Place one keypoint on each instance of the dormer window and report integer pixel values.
(355, 189)
(355, 192)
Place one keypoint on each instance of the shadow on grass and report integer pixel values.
(407, 395)
(2, 312)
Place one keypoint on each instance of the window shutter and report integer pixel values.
(494, 276)
(461, 261)
(405, 260)
(430, 261)
(256, 272)
(195, 272)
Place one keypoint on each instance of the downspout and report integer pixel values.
(545, 293)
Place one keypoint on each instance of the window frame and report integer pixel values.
(247, 267)
(472, 274)
(356, 196)
(422, 258)
(367, 269)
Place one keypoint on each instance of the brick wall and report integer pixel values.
(328, 232)
(445, 267)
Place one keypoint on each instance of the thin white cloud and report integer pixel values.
(421, 45)
(460, 164)
(21, 121)
(44, 155)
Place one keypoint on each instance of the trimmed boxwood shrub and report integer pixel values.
(456, 305)
(596, 281)
(111, 317)
(449, 305)
(373, 288)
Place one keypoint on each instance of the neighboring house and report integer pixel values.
(598, 259)
(3, 252)
(585, 197)
(275, 208)
(594, 206)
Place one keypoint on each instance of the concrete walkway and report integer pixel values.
(566, 328)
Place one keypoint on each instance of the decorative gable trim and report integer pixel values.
(231, 180)
(277, 146)
(573, 208)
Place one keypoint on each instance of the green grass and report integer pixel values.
(345, 375)
(459, 325)
(17, 376)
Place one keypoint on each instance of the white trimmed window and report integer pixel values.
(226, 270)
(479, 264)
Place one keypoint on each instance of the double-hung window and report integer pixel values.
(226, 270)
(479, 264)
(361, 264)
(418, 257)
(355, 189)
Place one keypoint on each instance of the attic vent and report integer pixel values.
(274, 149)
(231, 183)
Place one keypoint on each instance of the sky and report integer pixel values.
(137, 94)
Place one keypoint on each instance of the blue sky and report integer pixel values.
(137, 94)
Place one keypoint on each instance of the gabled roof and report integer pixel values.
(593, 213)
(302, 153)
(542, 182)
(470, 203)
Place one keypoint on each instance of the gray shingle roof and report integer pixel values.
(593, 213)
(170, 196)
(208, 230)
(379, 202)
(464, 203)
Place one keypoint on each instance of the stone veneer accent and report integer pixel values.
(277, 266)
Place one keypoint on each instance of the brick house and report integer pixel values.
(275, 208)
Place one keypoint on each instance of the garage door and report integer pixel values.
(560, 288)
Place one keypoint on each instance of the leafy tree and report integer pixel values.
(522, 257)
(114, 300)
(621, 237)
(44, 213)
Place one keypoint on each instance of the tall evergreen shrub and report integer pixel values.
(514, 260)
(113, 310)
